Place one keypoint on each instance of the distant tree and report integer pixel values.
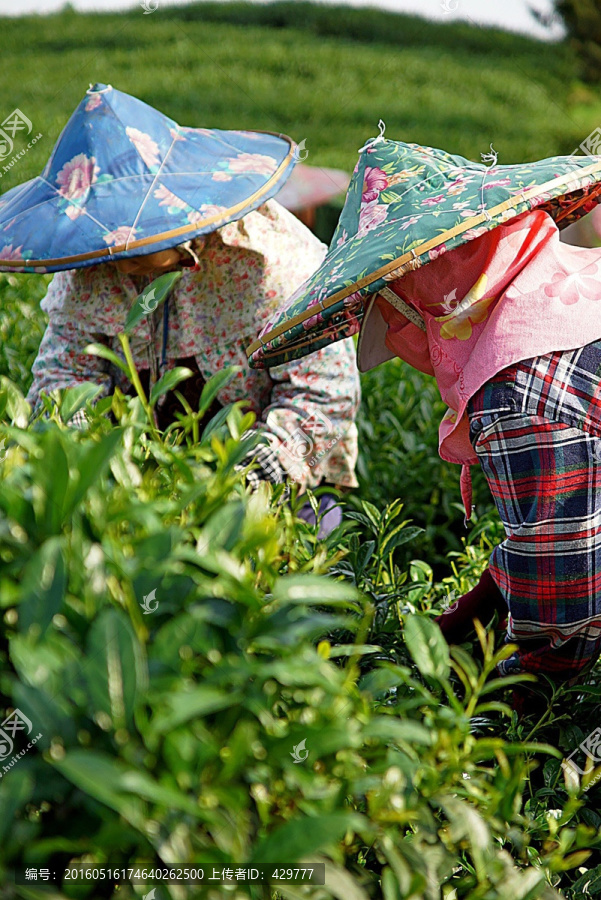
(582, 19)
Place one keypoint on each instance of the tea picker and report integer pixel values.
(126, 194)
(457, 268)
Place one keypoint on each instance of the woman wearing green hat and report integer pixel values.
(458, 269)
(128, 194)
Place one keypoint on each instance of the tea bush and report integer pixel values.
(179, 642)
(168, 736)
(399, 440)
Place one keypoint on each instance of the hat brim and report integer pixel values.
(317, 304)
(133, 210)
(371, 346)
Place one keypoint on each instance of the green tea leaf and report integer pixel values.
(182, 706)
(314, 589)
(47, 714)
(14, 403)
(215, 423)
(305, 835)
(44, 587)
(373, 514)
(52, 475)
(399, 537)
(223, 529)
(215, 384)
(402, 730)
(364, 555)
(76, 398)
(168, 381)
(92, 460)
(121, 787)
(150, 299)
(106, 353)
(427, 646)
(15, 791)
(111, 668)
(340, 881)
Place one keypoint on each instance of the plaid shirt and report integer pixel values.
(536, 427)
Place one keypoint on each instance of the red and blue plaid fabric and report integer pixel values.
(536, 427)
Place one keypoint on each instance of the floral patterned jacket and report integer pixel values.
(306, 408)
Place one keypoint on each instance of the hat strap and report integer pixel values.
(376, 140)
(412, 314)
(187, 246)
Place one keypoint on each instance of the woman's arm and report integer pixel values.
(61, 361)
(310, 418)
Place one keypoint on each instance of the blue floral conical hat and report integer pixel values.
(124, 180)
(405, 204)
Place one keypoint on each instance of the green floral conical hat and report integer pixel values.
(405, 205)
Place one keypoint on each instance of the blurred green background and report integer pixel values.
(322, 73)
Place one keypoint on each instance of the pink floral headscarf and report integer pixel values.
(513, 293)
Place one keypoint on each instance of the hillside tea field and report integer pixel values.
(170, 738)
(323, 74)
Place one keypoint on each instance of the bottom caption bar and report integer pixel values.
(309, 873)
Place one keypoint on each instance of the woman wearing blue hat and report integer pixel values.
(128, 194)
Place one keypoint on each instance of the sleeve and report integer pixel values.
(308, 407)
(310, 419)
(61, 362)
